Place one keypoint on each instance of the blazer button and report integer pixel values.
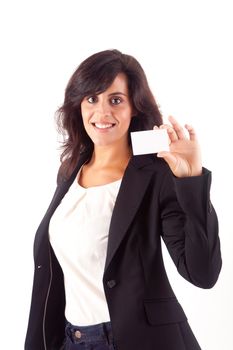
(78, 334)
(111, 283)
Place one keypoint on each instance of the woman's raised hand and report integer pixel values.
(184, 158)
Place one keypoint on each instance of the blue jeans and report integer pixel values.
(94, 337)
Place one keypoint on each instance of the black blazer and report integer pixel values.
(144, 311)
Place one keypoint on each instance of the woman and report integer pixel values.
(99, 280)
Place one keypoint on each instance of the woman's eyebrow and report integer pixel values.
(117, 93)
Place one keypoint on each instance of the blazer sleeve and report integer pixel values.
(190, 228)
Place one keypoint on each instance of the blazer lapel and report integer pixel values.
(132, 189)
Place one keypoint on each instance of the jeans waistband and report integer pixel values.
(88, 334)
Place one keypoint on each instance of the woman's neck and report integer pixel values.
(107, 164)
(105, 156)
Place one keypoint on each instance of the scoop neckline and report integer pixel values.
(97, 186)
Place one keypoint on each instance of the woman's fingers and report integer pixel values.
(177, 132)
(171, 132)
(191, 131)
(177, 128)
(184, 158)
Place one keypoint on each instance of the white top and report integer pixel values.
(78, 233)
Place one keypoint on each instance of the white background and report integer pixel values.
(185, 48)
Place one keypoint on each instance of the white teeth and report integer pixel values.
(103, 126)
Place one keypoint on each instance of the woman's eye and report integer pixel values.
(116, 100)
(92, 99)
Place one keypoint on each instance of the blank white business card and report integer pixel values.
(149, 141)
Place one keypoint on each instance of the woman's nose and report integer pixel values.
(103, 108)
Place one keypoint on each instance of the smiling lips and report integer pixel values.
(103, 125)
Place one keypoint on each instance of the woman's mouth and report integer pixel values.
(103, 125)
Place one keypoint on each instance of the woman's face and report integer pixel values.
(107, 116)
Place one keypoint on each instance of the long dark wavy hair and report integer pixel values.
(93, 76)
